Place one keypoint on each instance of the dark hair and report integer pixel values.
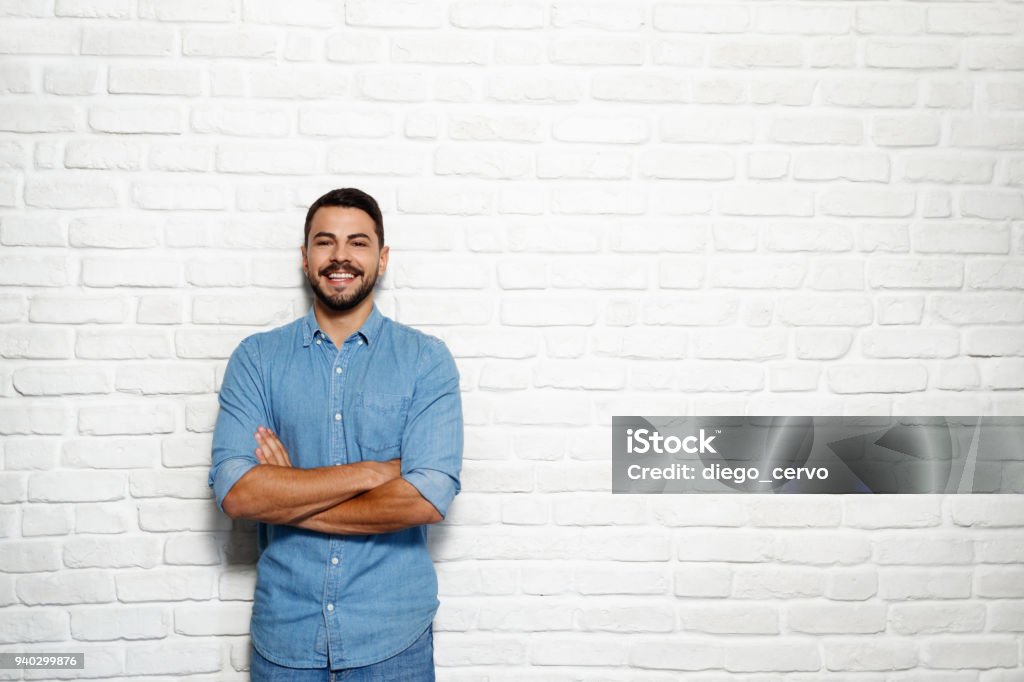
(352, 198)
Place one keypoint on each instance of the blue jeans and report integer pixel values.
(415, 664)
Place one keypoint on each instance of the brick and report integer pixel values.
(214, 619)
(297, 82)
(995, 274)
(477, 162)
(181, 516)
(176, 659)
(986, 342)
(36, 381)
(35, 343)
(490, 128)
(118, 622)
(12, 308)
(177, 484)
(248, 121)
(77, 81)
(276, 160)
(313, 13)
(95, 9)
(111, 552)
(586, 15)
(39, 271)
(336, 122)
(178, 158)
(15, 79)
(45, 519)
(863, 656)
(22, 626)
(601, 129)
(193, 548)
(32, 419)
(36, 39)
(117, 272)
(494, 14)
(353, 48)
(977, 308)
(77, 486)
(136, 40)
(234, 310)
(179, 196)
(165, 584)
(135, 119)
(605, 51)
(562, 651)
(246, 43)
(30, 556)
(102, 155)
(897, 54)
(993, 55)
(188, 10)
(114, 420)
(392, 85)
(902, 343)
(147, 81)
(84, 586)
(966, 651)
(121, 344)
(70, 193)
(32, 231)
(176, 378)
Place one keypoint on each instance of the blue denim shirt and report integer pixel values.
(342, 600)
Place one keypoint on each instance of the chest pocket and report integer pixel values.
(381, 424)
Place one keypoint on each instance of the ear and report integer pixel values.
(305, 262)
(383, 265)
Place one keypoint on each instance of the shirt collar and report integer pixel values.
(369, 331)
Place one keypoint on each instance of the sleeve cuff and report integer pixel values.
(227, 474)
(436, 487)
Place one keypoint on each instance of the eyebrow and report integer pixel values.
(330, 235)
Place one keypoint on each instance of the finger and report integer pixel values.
(283, 451)
(260, 457)
(275, 444)
(269, 455)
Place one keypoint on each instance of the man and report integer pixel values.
(341, 433)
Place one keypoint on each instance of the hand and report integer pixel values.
(270, 450)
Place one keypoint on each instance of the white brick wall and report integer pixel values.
(607, 207)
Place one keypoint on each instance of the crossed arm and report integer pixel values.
(351, 499)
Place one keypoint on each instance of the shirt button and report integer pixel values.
(337, 416)
(330, 607)
(360, 343)
(318, 342)
(337, 370)
(334, 560)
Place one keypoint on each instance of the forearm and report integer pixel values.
(395, 505)
(284, 494)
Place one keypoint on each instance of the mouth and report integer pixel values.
(340, 279)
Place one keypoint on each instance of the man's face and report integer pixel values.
(342, 257)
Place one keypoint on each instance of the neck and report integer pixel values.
(341, 325)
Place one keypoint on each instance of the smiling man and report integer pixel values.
(341, 434)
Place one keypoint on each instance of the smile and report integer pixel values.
(340, 278)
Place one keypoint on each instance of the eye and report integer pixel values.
(360, 243)
(322, 242)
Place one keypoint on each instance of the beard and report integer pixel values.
(348, 298)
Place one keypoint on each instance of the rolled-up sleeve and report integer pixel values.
(242, 409)
(433, 438)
